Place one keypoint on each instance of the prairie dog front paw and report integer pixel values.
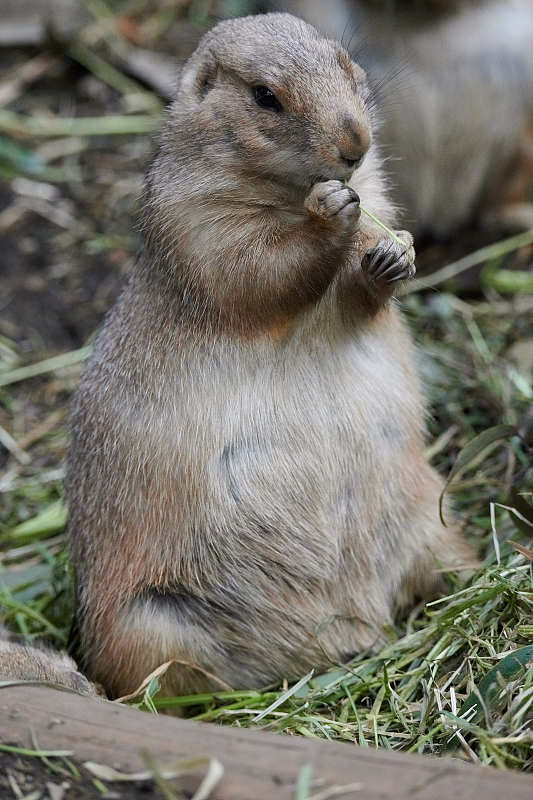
(389, 261)
(334, 201)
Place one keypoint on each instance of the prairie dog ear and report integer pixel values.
(198, 76)
(361, 80)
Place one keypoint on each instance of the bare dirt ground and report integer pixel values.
(66, 245)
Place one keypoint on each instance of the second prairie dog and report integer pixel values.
(40, 664)
(247, 485)
(456, 102)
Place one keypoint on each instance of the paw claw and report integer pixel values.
(389, 261)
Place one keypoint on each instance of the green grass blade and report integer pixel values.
(472, 450)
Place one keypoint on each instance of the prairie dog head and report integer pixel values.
(270, 95)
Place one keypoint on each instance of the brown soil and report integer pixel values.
(64, 254)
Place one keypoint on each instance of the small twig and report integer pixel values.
(55, 149)
(10, 216)
(162, 668)
(518, 305)
(21, 33)
(284, 696)
(492, 251)
(382, 225)
(28, 72)
(48, 365)
(15, 788)
(14, 447)
(47, 210)
(439, 444)
(158, 778)
(41, 429)
(113, 77)
(46, 761)
(337, 791)
(214, 771)
(110, 125)
(24, 751)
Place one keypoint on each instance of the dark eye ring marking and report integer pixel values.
(265, 98)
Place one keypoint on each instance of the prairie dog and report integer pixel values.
(21, 662)
(456, 102)
(247, 488)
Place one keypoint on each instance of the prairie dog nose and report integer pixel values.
(354, 141)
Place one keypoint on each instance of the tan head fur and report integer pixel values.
(322, 127)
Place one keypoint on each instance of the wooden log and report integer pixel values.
(257, 765)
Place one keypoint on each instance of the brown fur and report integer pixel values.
(247, 486)
(20, 662)
(456, 102)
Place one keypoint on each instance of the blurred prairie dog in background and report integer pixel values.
(455, 99)
(247, 485)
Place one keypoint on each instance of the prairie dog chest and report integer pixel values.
(318, 403)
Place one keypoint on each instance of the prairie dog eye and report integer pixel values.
(265, 98)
